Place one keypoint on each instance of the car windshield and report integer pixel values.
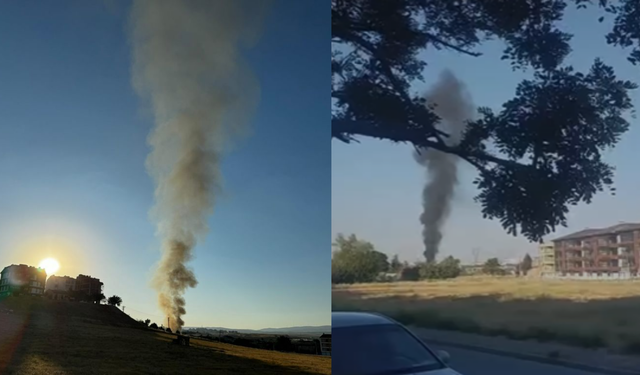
(379, 350)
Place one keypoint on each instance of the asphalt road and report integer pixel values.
(469, 362)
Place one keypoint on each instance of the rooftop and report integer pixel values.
(590, 232)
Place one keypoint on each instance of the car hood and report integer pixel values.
(444, 371)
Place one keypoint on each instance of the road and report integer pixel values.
(469, 362)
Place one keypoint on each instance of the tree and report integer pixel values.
(526, 264)
(356, 261)
(492, 267)
(448, 268)
(154, 326)
(147, 321)
(395, 265)
(114, 301)
(429, 271)
(98, 298)
(410, 273)
(536, 157)
(283, 344)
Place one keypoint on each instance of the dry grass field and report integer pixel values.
(581, 313)
(47, 339)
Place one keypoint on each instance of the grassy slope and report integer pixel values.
(46, 337)
(580, 313)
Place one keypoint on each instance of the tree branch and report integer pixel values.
(369, 129)
(436, 40)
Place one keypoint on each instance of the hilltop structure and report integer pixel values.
(65, 287)
(88, 285)
(20, 279)
(60, 287)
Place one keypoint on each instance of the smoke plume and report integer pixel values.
(454, 107)
(187, 63)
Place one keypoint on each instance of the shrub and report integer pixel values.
(154, 326)
(411, 273)
(168, 330)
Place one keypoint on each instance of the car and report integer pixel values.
(366, 343)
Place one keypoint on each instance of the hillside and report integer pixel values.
(285, 330)
(51, 337)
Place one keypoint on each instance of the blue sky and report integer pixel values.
(74, 185)
(376, 185)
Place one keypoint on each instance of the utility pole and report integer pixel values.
(476, 253)
(168, 325)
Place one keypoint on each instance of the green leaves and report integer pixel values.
(542, 152)
(356, 261)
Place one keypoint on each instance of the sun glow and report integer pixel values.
(50, 266)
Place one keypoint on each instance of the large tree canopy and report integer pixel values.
(541, 152)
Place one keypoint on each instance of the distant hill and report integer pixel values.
(303, 329)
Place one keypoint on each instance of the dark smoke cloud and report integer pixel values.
(454, 107)
(187, 62)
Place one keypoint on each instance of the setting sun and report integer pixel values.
(50, 265)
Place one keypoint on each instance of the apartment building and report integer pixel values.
(60, 287)
(325, 344)
(612, 252)
(88, 285)
(547, 259)
(60, 284)
(21, 279)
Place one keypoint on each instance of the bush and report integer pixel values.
(492, 267)
(168, 330)
(154, 326)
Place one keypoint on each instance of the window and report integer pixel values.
(380, 349)
(626, 237)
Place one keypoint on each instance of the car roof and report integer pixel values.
(343, 319)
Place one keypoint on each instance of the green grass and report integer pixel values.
(47, 337)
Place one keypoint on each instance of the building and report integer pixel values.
(88, 285)
(325, 344)
(547, 259)
(471, 269)
(60, 284)
(606, 253)
(60, 287)
(22, 279)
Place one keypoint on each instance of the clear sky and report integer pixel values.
(376, 185)
(74, 185)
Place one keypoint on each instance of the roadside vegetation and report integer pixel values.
(357, 261)
(589, 314)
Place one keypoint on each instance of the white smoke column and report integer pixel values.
(454, 107)
(187, 62)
